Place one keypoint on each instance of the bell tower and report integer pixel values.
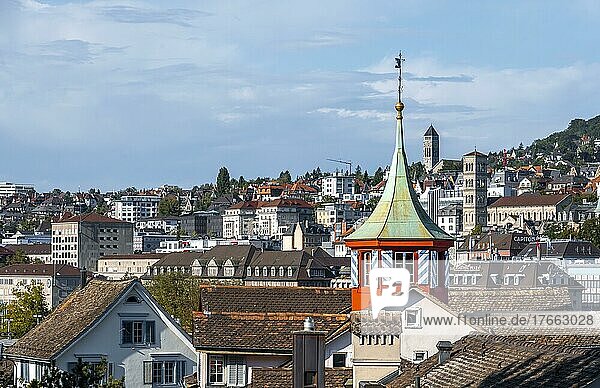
(399, 233)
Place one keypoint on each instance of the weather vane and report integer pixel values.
(399, 61)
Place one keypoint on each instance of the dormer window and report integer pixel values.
(272, 272)
(289, 272)
(256, 271)
(265, 272)
(133, 299)
(249, 271)
(281, 271)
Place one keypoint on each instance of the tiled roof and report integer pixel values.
(530, 200)
(220, 299)
(39, 269)
(468, 300)
(178, 259)
(69, 320)
(30, 249)
(91, 217)
(259, 331)
(496, 361)
(282, 377)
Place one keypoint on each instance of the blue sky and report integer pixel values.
(112, 94)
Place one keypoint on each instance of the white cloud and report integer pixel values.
(365, 114)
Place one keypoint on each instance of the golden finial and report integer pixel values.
(399, 104)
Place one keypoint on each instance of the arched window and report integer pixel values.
(249, 271)
(256, 271)
(289, 272)
(265, 272)
(281, 271)
(272, 272)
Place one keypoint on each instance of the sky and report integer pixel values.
(117, 93)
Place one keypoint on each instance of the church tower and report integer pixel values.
(431, 148)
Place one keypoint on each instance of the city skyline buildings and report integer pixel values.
(146, 93)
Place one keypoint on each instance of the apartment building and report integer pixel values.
(337, 186)
(276, 218)
(132, 208)
(57, 281)
(82, 240)
(527, 207)
(9, 189)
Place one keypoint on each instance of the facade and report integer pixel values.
(398, 234)
(161, 224)
(117, 267)
(41, 253)
(450, 219)
(132, 208)
(304, 236)
(474, 190)
(203, 224)
(82, 240)
(431, 148)
(275, 218)
(57, 281)
(238, 220)
(287, 268)
(329, 214)
(527, 207)
(9, 189)
(337, 186)
(116, 321)
(145, 242)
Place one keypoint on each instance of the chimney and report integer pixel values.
(83, 273)
(309, 357)
(444, 350)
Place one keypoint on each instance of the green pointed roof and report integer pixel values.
(399, 216)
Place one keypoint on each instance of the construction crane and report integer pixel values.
(346, 162)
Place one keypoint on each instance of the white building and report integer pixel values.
(116, 267)
(132, 208)
(238, 220)
(57, 281)
(165, 224)
(81, 240)
(337, 186)
(9, 189)
(116, 321)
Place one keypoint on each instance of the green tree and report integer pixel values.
(285, 177)
(19, 257)
(223, 182)
(416, 171)
(177, 293)
(83, 375)
(477, 230)
(372, 203)
(27, 309)
(590, 231)
(378, 177)
(169, 206)
(102, 208)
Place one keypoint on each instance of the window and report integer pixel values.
(163, 372)
(249, 271)
(216, 370)
(236, 371)
(413, 318)
(212, 271)
(256, 271)
(264, 272)
(289, 272)
(228, 271)
(419, 355)
(25, 371)
(366, 268)
(138, 332)
(339, 360)
(273, 272)
(281, 271)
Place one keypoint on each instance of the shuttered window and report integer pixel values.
(236, 371)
